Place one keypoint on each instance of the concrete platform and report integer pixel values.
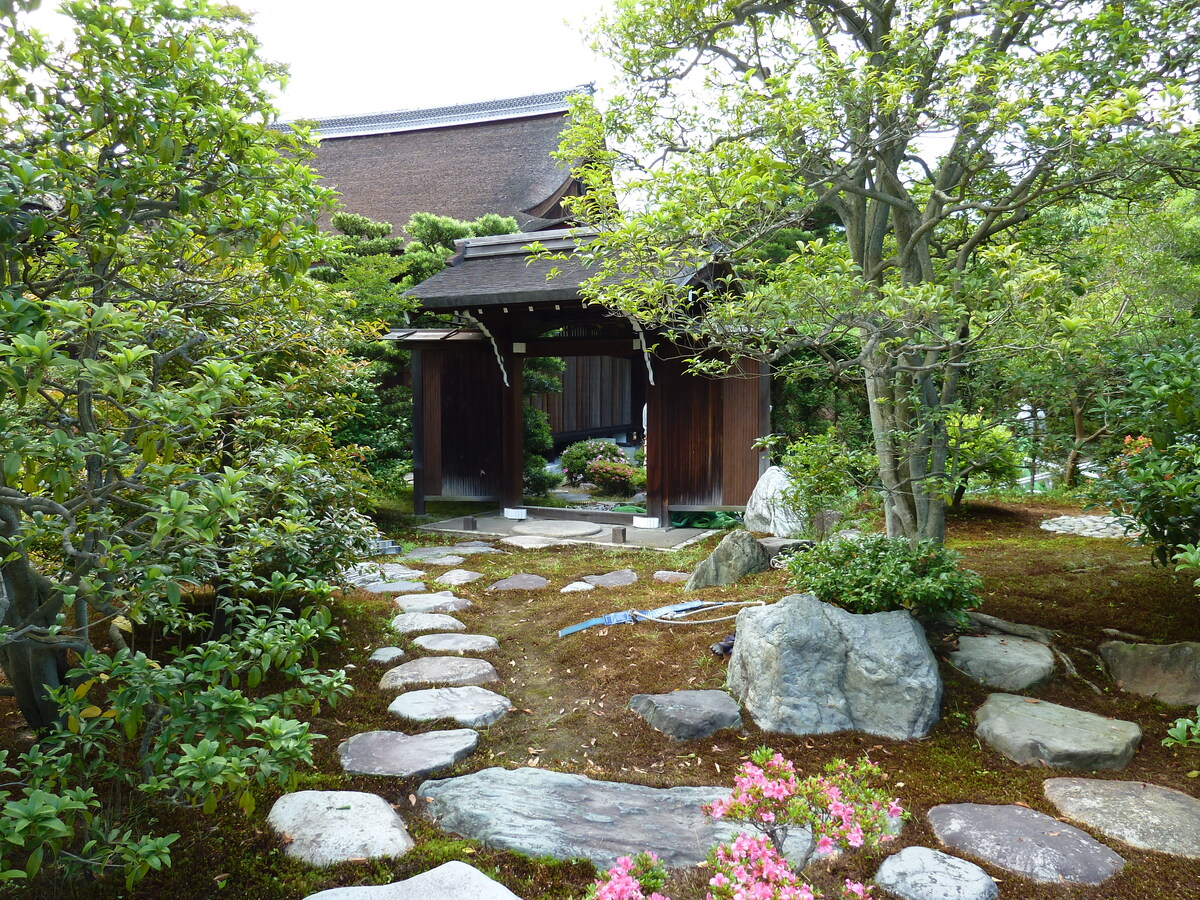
(495, 525)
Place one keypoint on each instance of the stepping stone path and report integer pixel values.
(451, 671)
(411, 623)
(576, 586)
(457, 643)
(530, 542)
(1139, 814)
(386, 655)
(557, 528)
(1089, 526)
(688, 715)
(471, 707)
(458, 576)
(543, 813)
(667, 577)
(1031, 731)
(522, 581)
(440, 602)
(454, 879)
(918, 873)
(619, 578)
(1005, 662)
(1024, 841)
(405, 756)
(327, 827)
(1170, 673)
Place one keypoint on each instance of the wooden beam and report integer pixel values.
(580, 347)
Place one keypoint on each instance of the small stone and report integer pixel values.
(1170, 673)
(668, 577)
(918, 873)
(403, 755)
(688, 715)
(471, 706)
(458, 576)
(440, 670)
(576, 586)
(457, 643)
(1033, 732)
(392, 587)
(385, 655)
(738, 555)
(1142, 815)
(522, 581)
(327, 827)
(448, 560)
(1005, 662)
(411, 623)
(530, 541)
(439, 602)
(619, 578)
(450, 881)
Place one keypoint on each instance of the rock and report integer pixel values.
(1032, 732)
(403, 755)
(688, 715)
(801, 666)
(992, 625)
(373, 573)
(440, 602)
(458, 576)
(423, 553)
(1024, 841)
(450, 881)
(386, 655)
(767, 510)
(544, 813)
(619, 578)
(918, 873)
(530, 541)
(327, 827)
(452, 671)
(773, 546)
(1142, 815)
(668, 577)
(411, 623)
(576, 586)
(471, 707)
(449, 559)
(457, 643)
(1170, 673)
(522, 581)
(392, 587)
(557, 528)
(738, 555)
(1008, 663)
(466, 548)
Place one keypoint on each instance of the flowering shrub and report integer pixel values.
(575, 459)
(612, 478)
(629, 879)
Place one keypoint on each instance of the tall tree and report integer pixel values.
(936, 130)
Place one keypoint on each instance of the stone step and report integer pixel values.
(1033, 732)
(404, 755)
(1142, 815)
(457, 643)
(470, 706)
(448, 671)
(327, 827)
(450, 881)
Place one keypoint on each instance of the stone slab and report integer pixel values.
(1024, 841)
(471, 706)
(327, 827)
(619, 578)
(530, 542)
(688, 715)
(411, 623)
(370, 572)
(1142, 815)
(919, 873)
(438, 602)
(451, 671)
(421, 554)
(557, 528)
(576, 586)
(1006, 662)
(457, 643)
(392, 587)
(666, 576)
(448, 560)
(403, 755)
(1033, 732)
(1170, 673)
(522, 581)
(386, 655)
(450, 881)
(458, 576)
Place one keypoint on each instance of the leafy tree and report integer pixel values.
(936, 131)
(166, 482)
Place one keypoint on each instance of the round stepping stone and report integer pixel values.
(471, 707)
(404, 755)
(449, 560)
(530, 542)
(668, 577)
(452, 671)
(327, 827)
(918, 873)
(1005, 662)
(439, 602)
(1031, 732)
(1024, 841)
(458, 576)
(453, 879)
(522, 581)
(1170, 673)
(557, 528)
(688, 715)
(411, 623)
(1139, 814)
(385, 655)
(576, 586)
(619, 578)
(392, 587)
(457, 643)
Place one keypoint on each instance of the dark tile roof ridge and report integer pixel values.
(394, 121)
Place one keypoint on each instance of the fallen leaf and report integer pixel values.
(1195, 773)
(412, 799)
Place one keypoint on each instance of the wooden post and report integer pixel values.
(418, 430)
(657, 476)
(513, 436)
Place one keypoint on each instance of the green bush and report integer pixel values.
(575, 458)
(825, 477)
(538, 480)
(877, 573)
(615, 479)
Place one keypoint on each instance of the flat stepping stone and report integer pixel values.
(544, 813)
(522, 581)
(557, 528)
(1024, 841)
(1142, 815)
(373, 573)
(457, 643)
(423, 553)
(530, 542)
(668, 577)
(619, 578)
(439, 602)
(405, 755)
(471, 707)
(688, 715)
(449, 560)
(1004, 661)
(411, 623)
(327, 827)
(458, 576)
(385, 655)
(392, 587)
(1170, 673)
(1034, 732)
(919, 873)
(452, 671)
(454, 879)
(576, 586)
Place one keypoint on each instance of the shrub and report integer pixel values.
(825, 477)
(616, 479)
(538, 480)
(575, 458)
(877, 573)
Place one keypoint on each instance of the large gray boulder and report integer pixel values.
(1170, 673)
(767, 510)
(738, 555)
(688, 715)
(801, 666)
(1034, 732)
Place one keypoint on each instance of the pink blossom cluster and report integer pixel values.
(623, 880)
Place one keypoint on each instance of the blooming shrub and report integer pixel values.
(575, 458)
(616, 479)
(629, 879)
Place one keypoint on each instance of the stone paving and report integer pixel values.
(1089, 526)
